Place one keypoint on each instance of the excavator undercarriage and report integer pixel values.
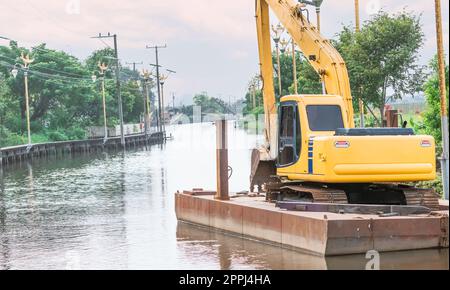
(379, 194)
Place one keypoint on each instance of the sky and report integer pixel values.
(211, 44)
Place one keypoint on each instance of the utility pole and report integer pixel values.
(118, 94)
(357, 15)
(360, 101)
(134, 64)
(158, 84)
(443, 94)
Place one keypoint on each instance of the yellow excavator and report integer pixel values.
(313, 151)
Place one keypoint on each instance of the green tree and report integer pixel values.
(132, 99)
(432, 116)
(382, 58)
(59, 87)
(63, 98)
(4, 104)
(210, 105)
(308, 81)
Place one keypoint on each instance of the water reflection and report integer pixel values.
(210, 249)
(116, 211)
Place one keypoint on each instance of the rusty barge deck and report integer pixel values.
(321, 233)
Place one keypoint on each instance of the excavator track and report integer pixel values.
(299, 191)
(422, 196)
(388, 194)
(323, 195)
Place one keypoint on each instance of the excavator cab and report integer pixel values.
(320, 118)
(316, 144)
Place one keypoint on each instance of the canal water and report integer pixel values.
(116, 211)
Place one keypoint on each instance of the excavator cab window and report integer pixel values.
(324, 117)
(289, 141)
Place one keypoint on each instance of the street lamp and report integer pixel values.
(294, 66)
(317, 4)
(277, 32)
(14, 72)
(162, 79)
(102, 69)
(145, 79)
(25, 66)
(252, 88)
(283, 45)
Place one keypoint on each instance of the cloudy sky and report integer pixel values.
(211, 43)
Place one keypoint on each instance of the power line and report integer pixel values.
(50, 69)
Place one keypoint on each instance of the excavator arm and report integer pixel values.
(323, 57)
(269, 151)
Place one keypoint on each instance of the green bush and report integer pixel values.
(76, 133)
(435, 184)
(57, 136)
(37, 138)
(14, 139)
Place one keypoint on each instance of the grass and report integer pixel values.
(15, 139)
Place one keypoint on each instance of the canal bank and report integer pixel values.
(10, 155)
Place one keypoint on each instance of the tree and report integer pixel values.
(381, 58)
(4, 104)
(132, 98)
(432, 116)
(59, 88)
(63, 98)
(210, 105)
(308, 81)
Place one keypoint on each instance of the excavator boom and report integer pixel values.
(323, 57)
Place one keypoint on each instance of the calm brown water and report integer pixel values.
(116, 211)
